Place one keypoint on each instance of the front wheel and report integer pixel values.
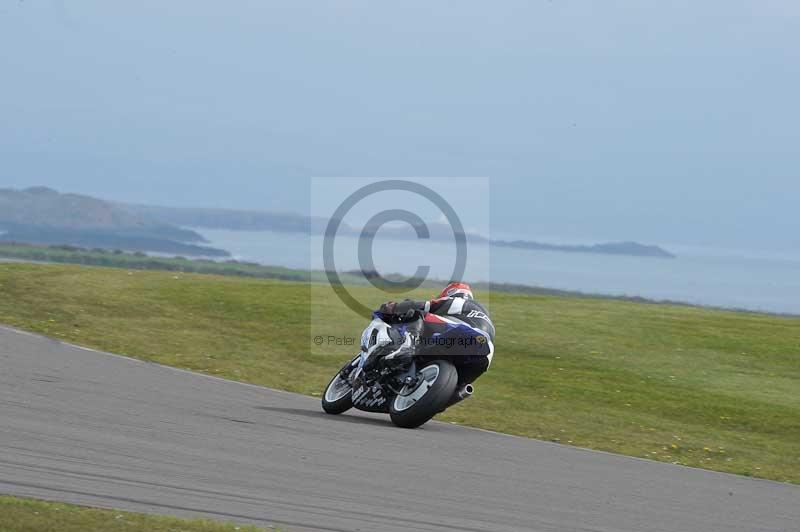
(416, 405)
(338, 396)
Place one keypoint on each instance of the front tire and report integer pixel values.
(430, 396)
(338, 396)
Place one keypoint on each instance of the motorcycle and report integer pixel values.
(411, 393)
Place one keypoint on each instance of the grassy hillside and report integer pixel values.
(66, 254)
(712, 389)
(25, 515)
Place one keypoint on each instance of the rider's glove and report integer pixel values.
(404, 311)
(387, 309)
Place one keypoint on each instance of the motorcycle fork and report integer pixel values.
(408, 377)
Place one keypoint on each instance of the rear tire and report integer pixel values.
(432, 402)
(332, 400)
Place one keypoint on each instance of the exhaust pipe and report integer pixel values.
(462, 393)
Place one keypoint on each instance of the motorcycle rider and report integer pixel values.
(453, 323)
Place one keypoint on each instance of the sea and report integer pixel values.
(720, 277)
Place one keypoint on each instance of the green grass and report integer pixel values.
(25, 515)
(705, 388)
(140, 261)
(66, 254)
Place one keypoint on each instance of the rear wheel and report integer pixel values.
(338, 396)
(416, 405)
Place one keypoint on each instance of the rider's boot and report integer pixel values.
(405, 353)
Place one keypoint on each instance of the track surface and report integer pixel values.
(91, 428)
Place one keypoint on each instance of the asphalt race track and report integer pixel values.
(96, 429)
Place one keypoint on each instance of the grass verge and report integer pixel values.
(698, 387)
(27, 515)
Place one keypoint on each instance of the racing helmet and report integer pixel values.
(457, 290)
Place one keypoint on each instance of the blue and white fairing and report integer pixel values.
(375, 336)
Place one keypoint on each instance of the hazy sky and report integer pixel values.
(649, 120)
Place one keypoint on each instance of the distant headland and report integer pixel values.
(40, 215)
